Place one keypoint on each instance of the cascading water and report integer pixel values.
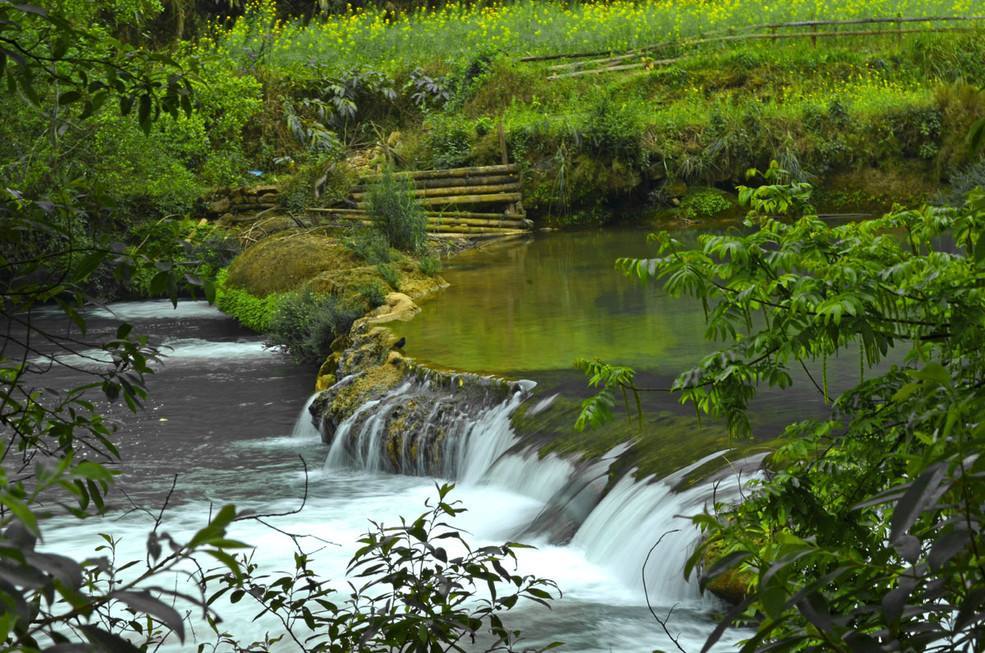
(614, 527)
(304, 426)
(429, 426)
(221, 407)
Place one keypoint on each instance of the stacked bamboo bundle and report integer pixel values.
(483, 200)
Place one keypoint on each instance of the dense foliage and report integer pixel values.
(865, 533)
(396, 214)
(60, 452)
(306, 324)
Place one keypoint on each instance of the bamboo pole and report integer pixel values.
(492, 198)
(464, 222)
(450, 172)
(430, 214)
(814, 35)
(458, 190)
(467, 229)
(690, 41)
(796, 35)
(488, 180)
(611, 69)
(612, 60)
(871, 21)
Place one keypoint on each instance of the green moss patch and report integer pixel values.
(285, 261)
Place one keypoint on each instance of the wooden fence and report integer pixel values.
(472, 201)
(593, 63)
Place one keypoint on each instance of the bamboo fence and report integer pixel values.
(452, 199)
(605, 62)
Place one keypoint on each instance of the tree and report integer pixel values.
(58, 451)
(865, 533)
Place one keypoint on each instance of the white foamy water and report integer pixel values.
(304, 426)
(158, 309)
(510, 493)
(172, 352)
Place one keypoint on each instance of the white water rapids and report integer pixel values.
(239, 443)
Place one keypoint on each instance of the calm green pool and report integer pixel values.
(540, 304)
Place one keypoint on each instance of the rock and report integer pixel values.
(324, 382)
(656, 172)
(675, 189)
(220, 206)
(398, 307)
(268, 198)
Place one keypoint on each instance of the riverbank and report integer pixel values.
(871, 119)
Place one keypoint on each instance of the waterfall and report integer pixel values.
(634, 515)
(304, 425)
(527, 474)
(430, 426)
(614, 525)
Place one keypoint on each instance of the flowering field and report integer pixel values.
(459, 32)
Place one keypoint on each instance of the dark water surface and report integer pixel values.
(223, 416)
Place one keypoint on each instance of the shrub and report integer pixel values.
(429, 265)
(389, 275)
(305, 324)
(613, 130)
(965, 181)
(451, 143)
(198, 249)
(370, 245)
(396, 214)
(255, 313)
(372, 293)
(705, 203)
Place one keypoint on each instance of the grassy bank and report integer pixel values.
(873, 119)
(308, 106)
(877, 118)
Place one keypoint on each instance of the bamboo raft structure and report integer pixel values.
(594, 63)
(481, 201)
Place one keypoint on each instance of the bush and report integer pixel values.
(429, 265)
(198, 249)
(705, 203)
(370, 245)
(372, 293)
(305, 324)
(255, 313)
(396, 214)
(389, 275)
(320, 182)
(450, 142)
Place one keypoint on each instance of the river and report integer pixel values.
(228, 417)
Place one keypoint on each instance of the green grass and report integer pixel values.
(459, 32)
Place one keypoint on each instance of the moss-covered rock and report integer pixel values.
(286, 261)
(733, 585)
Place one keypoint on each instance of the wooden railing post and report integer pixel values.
(899, 29)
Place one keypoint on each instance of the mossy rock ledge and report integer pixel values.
(298, 259)
(431, 406)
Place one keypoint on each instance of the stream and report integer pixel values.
(229, 418)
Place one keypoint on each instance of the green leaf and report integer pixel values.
(145, 603)
(107, 641)
(216, 529)
(22, 512)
